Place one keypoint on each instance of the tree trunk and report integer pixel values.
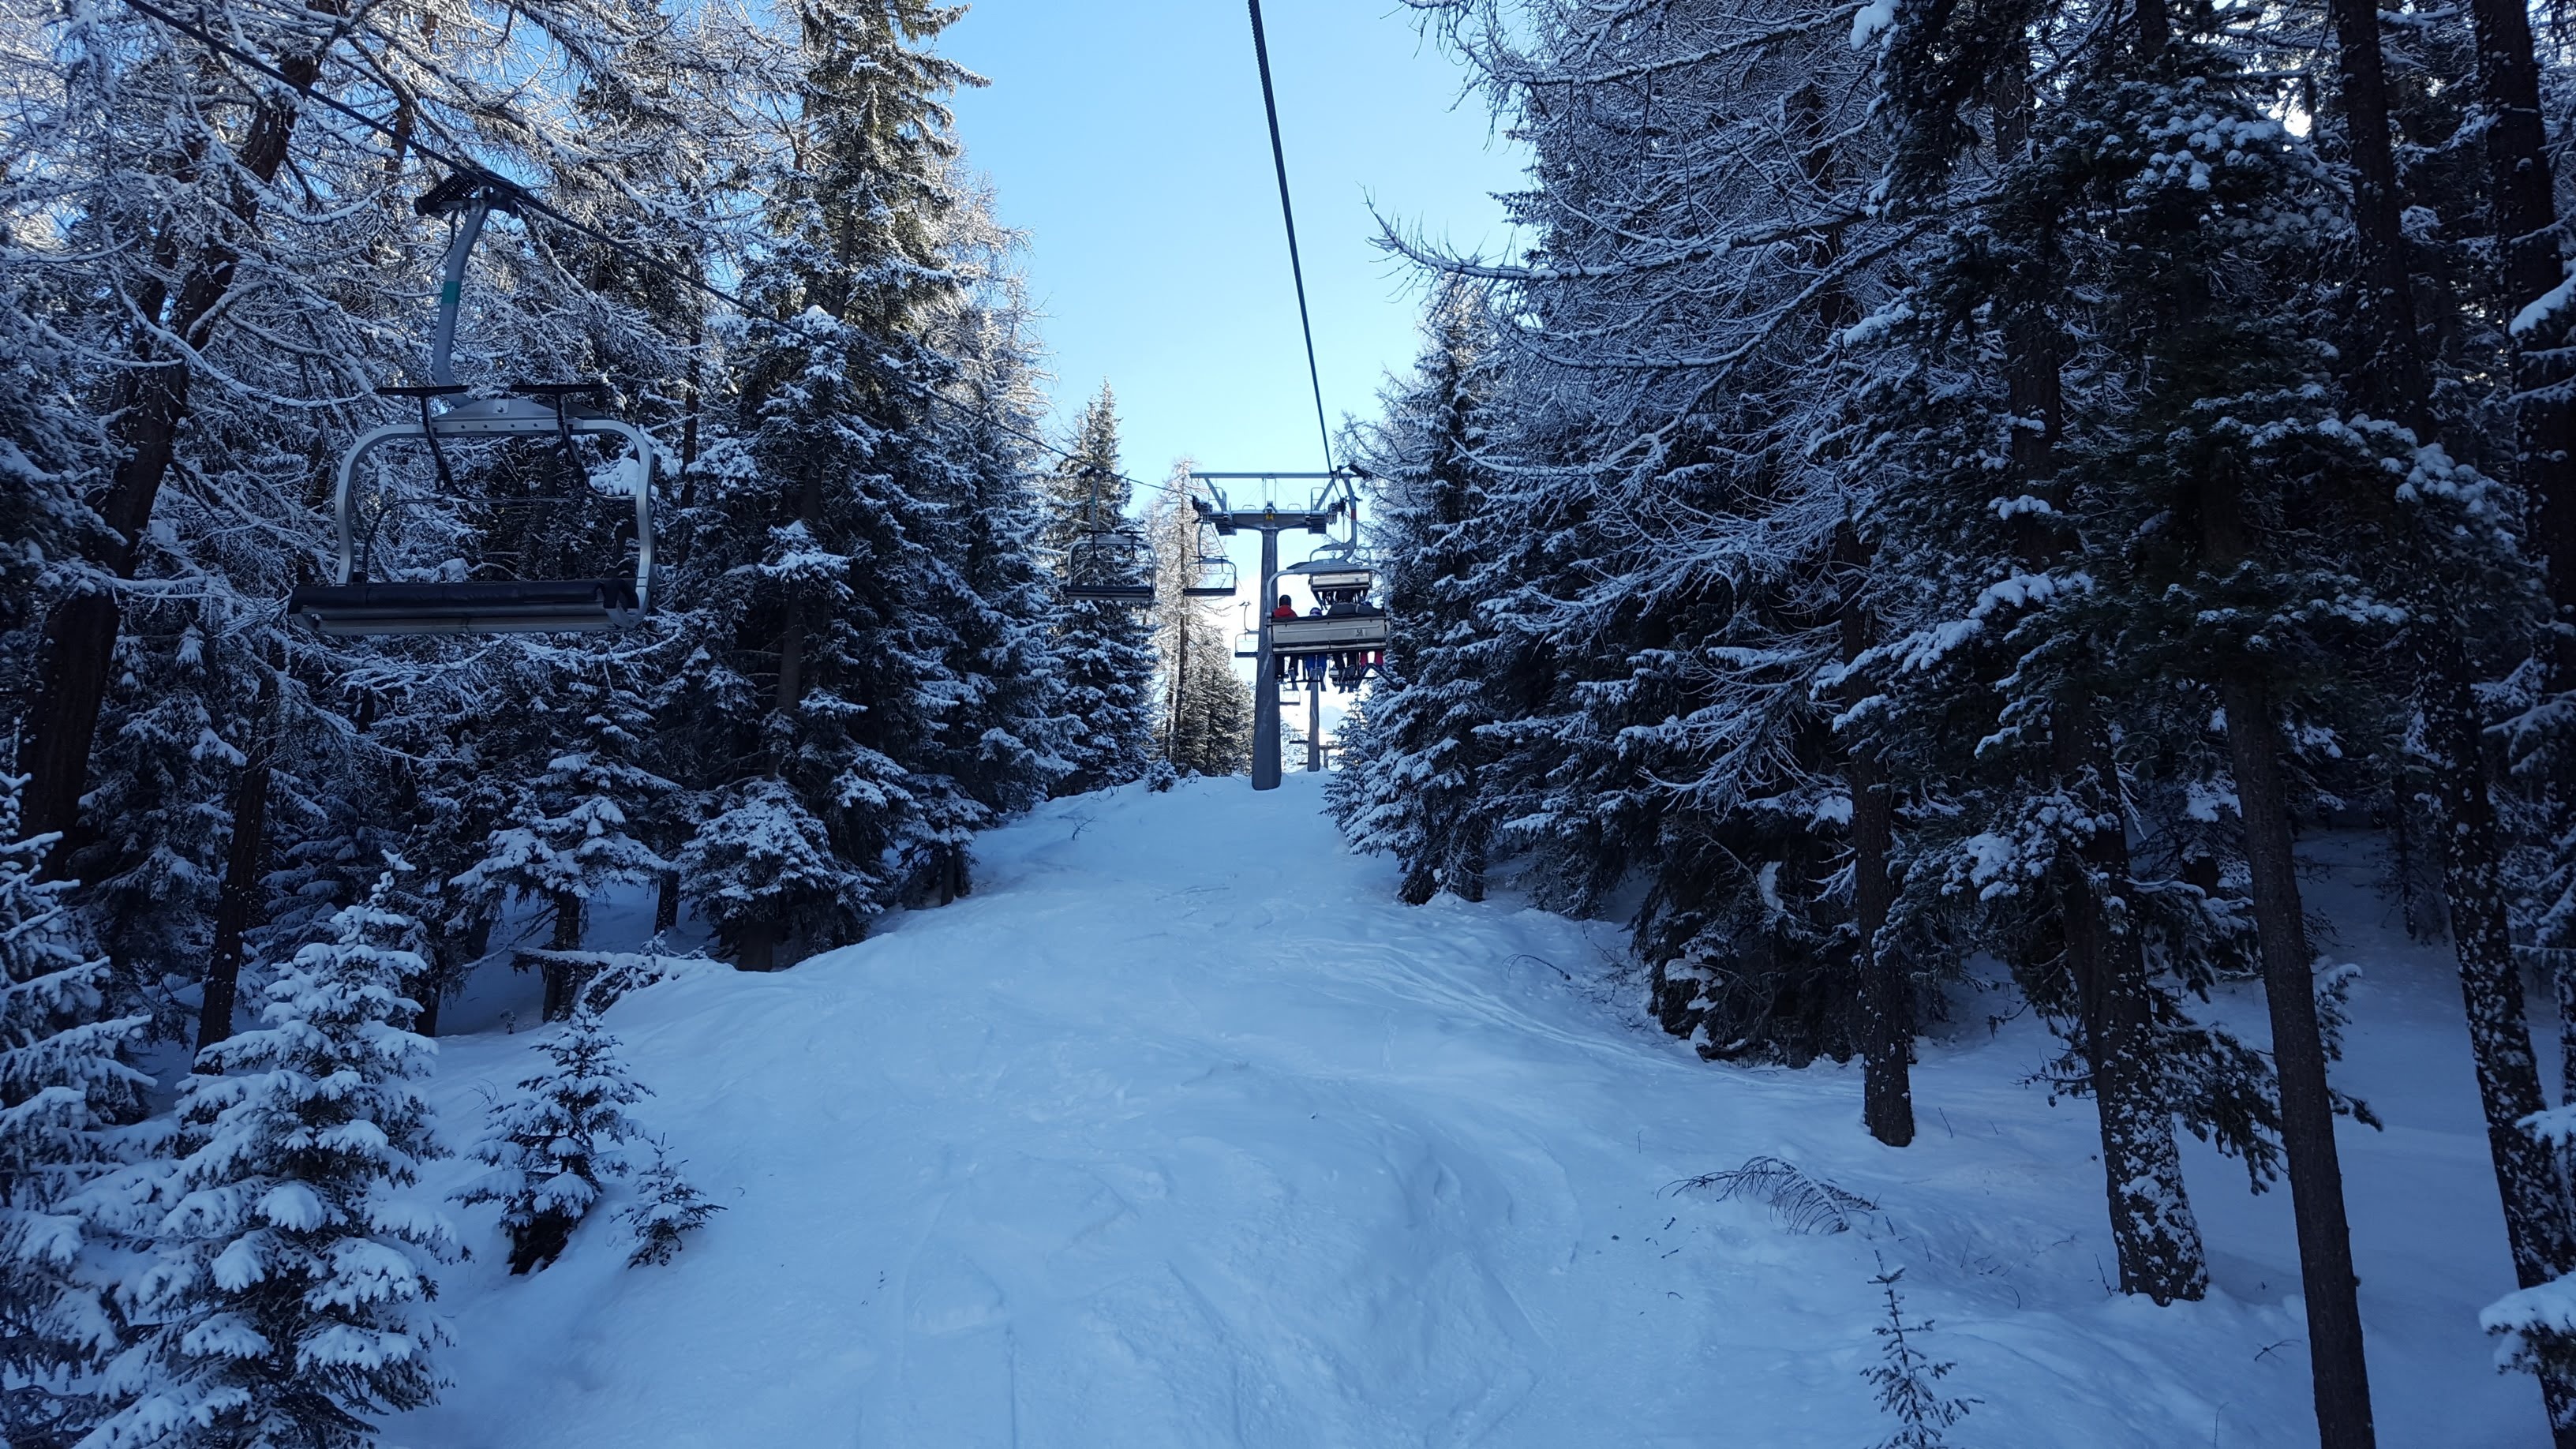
(2339, 1373)
(563, 982)
(2392, 374)
(235, 901)
(2152, 1225)
(2536, 1218)
(666, 902)
(2524, 208)
(1886, 986)
(79, 643)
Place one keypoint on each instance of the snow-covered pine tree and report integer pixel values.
(552, 1145)
(816, 553)
(578, 824)
(1104, 650)
(665, 1211)
(65, 1089)
(284, 1299)
(999, 738)
(1661, 563)
(1408, 782)
(1205, 707)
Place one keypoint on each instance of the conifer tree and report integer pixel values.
(64, 1091)
(552, 1146)
(1206, 708)
(1104, 654)
(579, 822)
(1408, 784)
(284, 1302)
(665, 1211)
(818, 553)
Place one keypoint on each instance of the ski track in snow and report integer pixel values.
(1182, 1131)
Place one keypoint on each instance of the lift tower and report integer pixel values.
(1269, 521)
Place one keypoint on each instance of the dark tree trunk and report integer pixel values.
(2392, 374)
(2152, 1224)
(79, 643)
(1886, 985)
(563, 980)
(2339, 1373)
(2537, 1222)
(235, 902)
(2156, 1235)
(2525, 214)
(756, 947)
(666, 902)
(2536, 1219)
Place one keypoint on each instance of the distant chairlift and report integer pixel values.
(358, 605)
(1101, 551)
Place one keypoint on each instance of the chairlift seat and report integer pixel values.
(1328, 634)
(1111, 593)
(1208, 591)
(511, 606)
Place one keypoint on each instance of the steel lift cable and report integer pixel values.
(1288, 216)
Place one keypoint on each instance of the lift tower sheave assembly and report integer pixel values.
(1269, 521)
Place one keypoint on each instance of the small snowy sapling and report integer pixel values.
(666, 1208)
(1907, 1379)
(550, 1145)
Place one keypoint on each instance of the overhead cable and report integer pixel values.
(1288, 215)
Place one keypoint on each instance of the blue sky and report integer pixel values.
(1125, 137)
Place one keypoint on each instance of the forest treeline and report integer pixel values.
(230, 840)
(1952, 488)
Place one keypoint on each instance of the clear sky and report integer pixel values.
(1126, 138)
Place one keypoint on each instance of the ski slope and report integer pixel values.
(1182, 1131)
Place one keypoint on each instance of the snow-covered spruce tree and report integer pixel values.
(2242, 515)
(1999, 684)
(65, 1089)
(1665, 562)
(999, 740)
(1408, 783)
(1206, 707)
(553, 1143)
(284, 1299)
(1104, 650)
(575, 828)
(665, 1211)
(817, 550)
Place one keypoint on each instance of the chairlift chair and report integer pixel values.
(1096, 553)
(357, 605)
(1216, 572)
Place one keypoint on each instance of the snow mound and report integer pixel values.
(1181, 1131)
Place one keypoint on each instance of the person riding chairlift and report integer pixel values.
(1286, 665)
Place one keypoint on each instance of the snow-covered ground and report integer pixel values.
(1183, 1132)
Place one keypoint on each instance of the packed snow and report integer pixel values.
(1181, 1131)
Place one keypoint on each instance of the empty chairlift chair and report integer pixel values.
(1215, 577)
(356, 604)
(1105, 556)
